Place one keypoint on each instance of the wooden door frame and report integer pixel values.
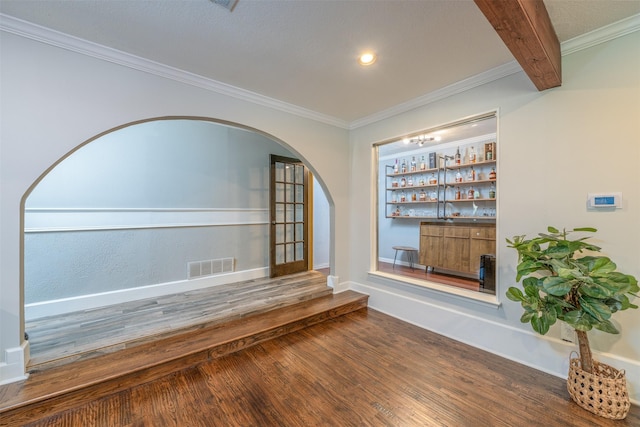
(294, 267)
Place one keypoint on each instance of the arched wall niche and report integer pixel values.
(54, 226)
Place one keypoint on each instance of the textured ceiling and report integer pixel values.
(304, 52)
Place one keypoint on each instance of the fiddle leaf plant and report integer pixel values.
(562, 283)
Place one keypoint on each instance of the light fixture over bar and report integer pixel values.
(421, 140)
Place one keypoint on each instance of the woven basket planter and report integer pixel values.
(604, 392)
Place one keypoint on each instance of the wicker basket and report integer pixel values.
(604, 392)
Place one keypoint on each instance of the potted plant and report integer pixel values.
(562, 282)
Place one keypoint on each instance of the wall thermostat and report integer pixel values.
(604, 200)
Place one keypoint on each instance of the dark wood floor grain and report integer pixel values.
(361, 369)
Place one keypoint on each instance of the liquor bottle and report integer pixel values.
(458, 176)
(470, 193)
(396, 169)
(458, 159)
(472, 175)
(414, 196)
(423, 164)
(432, 179)
(476, 194)
(410, 182)
(394, 182)
(458, 195)
(397, 212)
(403, 182)
(404, 166)
(492, 174)
(489, 152)
(403, 197)
(492, 191)
(394, 198)
(472, 155)
(413, 164)
(423, 195)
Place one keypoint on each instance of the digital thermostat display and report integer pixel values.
(606, 200)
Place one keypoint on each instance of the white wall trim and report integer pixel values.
(14, 368)
(74, 44)
(544, 353)
(439, 94)
(103, 299)
(601, 35)
(55, 38)
(43, 220)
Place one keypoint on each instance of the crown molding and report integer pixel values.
(65, 41)
(55, 38)
(601, 35)
(445, 92)
(592, 38)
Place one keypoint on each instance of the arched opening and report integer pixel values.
(135, 211)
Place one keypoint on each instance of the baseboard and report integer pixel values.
(543, 353)
(13, 369)
(87, 302)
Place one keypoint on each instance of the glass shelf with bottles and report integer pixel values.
(412, 167)
(407, 182)
(414, 190)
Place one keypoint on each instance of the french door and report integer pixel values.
(289, 216)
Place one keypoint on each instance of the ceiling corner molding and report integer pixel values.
(601, 35)
(55, 38)
(489, 76)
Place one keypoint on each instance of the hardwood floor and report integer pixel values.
(419, 273)
(70, 337)
(360, 369)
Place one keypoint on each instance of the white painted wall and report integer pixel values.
(554, 148)
(54, 99)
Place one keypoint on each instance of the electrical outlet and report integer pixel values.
(567, 333)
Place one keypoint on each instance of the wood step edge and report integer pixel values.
(306, 314)
(211, 323)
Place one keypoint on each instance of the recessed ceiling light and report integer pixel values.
(367, 58)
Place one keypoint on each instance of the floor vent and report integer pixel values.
(210, 267)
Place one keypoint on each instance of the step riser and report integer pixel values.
(73, 398)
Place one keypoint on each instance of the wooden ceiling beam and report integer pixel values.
(526, 29)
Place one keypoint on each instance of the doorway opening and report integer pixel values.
(154, 208)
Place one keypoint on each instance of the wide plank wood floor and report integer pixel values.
(361, 369)
(66, 338)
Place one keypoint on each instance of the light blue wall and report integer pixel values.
(160, 164)
(163, 164)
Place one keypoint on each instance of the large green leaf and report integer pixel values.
(584, 323)
(557, 286)
(540, 324)
(558, 252)
(527, 316)
(515, 294)
(602, 267)
(595, 290)
(532, 290)
(572, 317)
(607, 326)
(596, 308)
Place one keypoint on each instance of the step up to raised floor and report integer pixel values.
(61, 388)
